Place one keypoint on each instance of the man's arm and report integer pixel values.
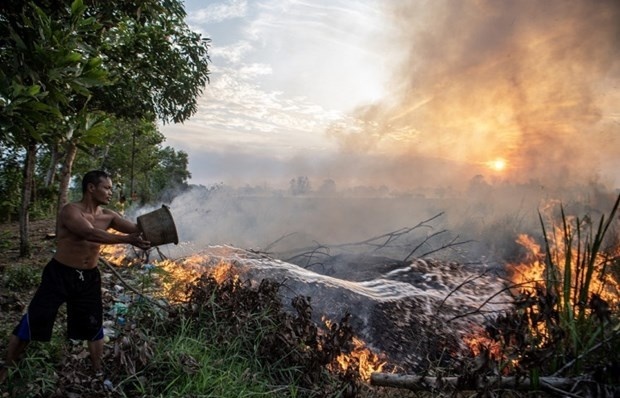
(73, 219)
(121, 224)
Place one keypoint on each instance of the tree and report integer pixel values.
(300, 185)
(157, 64)
(171, 174)
(133, 153)
(45, 70)
(10, 182)
(83, 63)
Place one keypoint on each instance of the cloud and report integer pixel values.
(233, 53)
(233, 101)
(254, 70)
(219, 12)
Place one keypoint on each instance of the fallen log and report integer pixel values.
(425, 383)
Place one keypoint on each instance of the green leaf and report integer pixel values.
(77, 7)
(34, 90)
(72, 57)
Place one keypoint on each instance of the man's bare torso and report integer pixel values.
(73, 250)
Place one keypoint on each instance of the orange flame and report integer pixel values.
(533, 272)
(117, 255)
(367, 362)
(530, 277)
(361, 358)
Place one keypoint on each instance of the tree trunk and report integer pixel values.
(65, 176)
(51, 171)
(24, 219)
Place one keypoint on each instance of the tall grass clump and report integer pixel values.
(579, 283)
(565, 319)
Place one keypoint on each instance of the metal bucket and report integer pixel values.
(158, 227)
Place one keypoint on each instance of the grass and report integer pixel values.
(22, 278)
(574, 257)
(187, 364)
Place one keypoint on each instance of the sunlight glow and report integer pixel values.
(498, 164)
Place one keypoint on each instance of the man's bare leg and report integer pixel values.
(14, 350)
(96, 352)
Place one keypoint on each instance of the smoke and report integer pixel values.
(534, 83)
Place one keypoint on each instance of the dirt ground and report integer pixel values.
(42, 245)
(14, 300)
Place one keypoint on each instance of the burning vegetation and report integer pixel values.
(564, 322)
(561, 335)
(327, 358)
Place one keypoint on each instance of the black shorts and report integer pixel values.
(80, 289)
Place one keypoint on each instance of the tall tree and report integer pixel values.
(58, 60)
(45, 70)
(158, 65)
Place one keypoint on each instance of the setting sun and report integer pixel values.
(498, 164)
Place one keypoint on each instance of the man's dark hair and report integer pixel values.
(93, 177)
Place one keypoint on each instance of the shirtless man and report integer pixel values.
(72, 275)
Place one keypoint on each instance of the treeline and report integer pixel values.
(143, 171)
(83, 85)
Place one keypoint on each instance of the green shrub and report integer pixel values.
(22, 277)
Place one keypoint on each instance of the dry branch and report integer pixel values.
(129, 286)
(425, 383)
(376, 243)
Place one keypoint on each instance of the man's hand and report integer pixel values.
(136, 240)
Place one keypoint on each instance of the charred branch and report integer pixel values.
(374, 244)
(452, 243)
(560, 385)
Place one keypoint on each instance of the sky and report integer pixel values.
(409, 94)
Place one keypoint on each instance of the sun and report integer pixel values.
(498, 164)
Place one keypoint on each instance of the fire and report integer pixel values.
(566, 280)
(361, 358)
(482, 346)
(177, 277)
(182, 273)
(529, 275)
(173, 276)
(117, 255)
(572, 275)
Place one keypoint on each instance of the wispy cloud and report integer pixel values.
(260, 93)
(233, 53)
(219, 12)
(245, 113)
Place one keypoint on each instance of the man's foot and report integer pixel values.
(101, 377)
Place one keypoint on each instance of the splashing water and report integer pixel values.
(402, 310)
